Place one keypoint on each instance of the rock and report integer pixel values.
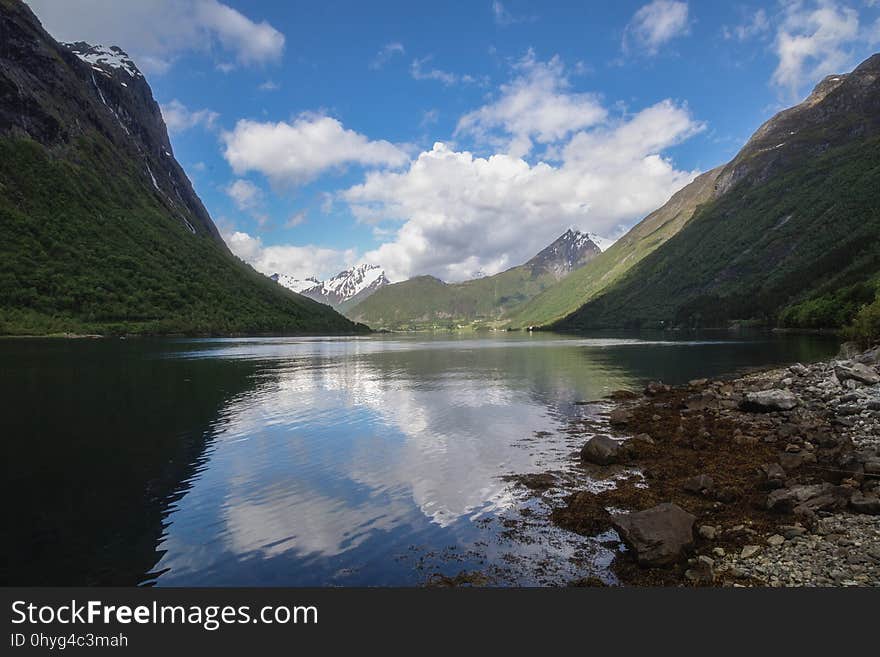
(788, 498)
(775, 540)
(620, 416)
(773, 475)
(702, 572)
(749, 551)
(849, 350)
(766, 401)
(708, 532)
(655, 388)
(872, 466)
(701, 484)
(697, 383)
(869, 504)
(644, 438)
(789, 461)
(719, 551)
(857, 372)
(623, 395)
(600, 450)
(799, 369)
(792, 531)
(658, 536)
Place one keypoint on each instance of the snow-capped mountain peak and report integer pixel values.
(344, 289)
(295, 284)
(568, 252)
(103, 57)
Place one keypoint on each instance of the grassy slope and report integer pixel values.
(87, 248)
(425, 302)
(590, 280)
(808, 237)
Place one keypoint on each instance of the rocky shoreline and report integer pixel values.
(771, 479)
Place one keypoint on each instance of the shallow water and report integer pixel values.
(313, 461)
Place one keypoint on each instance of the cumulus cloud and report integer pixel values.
(462, 214)
(296, 261)
(245, 194)
(536, 105)
(179, 118)
(655, 24)
(757, 25)
(389, 50)
(295, 153)
(814, 40)
(155, 32)
(419, 70)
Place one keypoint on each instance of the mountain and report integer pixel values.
(343, 291)
(102, 230)
(570, 293)
(295, 284)
(425, 301)
(789, 233)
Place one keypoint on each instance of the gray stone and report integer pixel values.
(600, 450)
(620, 416)
(765, 401)
(700, 484)
(775, 540)
(869, 504)
(708, 532)
(749, 551)
(857, 372)
(658, 536)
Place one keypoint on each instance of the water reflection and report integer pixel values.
(301, 461)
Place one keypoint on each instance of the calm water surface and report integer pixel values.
(308, 461)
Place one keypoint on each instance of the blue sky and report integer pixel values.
(458, 137)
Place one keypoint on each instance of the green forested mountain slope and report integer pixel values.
(102, 231)
(567, 295)
(792, 236)
(428, 302)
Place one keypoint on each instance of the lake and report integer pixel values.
(377, 460)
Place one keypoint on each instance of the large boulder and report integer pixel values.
(658, 536)
(862, 503)
(601, 450)
(809, 498)
(620, 417)
(766, 401)
(857, 372)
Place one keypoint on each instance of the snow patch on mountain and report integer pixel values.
(100, 57)
(295, 284)
(354, 284)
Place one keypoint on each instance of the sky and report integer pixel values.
(458, 138)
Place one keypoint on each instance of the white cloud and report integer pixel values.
(179, 118)
(419, 72)
(245, 194)
(655, 24)
(536, 105)
(296, 261)
(503, 17)
(388, 51)
(269, 85)
(295, 153)
(757, 25)
(462, 214)
(296, 219)
(814, 40)
(155, 32)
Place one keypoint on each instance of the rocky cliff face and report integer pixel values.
(842, 108)
(101, 229)
(54, 93)
(569, 251)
